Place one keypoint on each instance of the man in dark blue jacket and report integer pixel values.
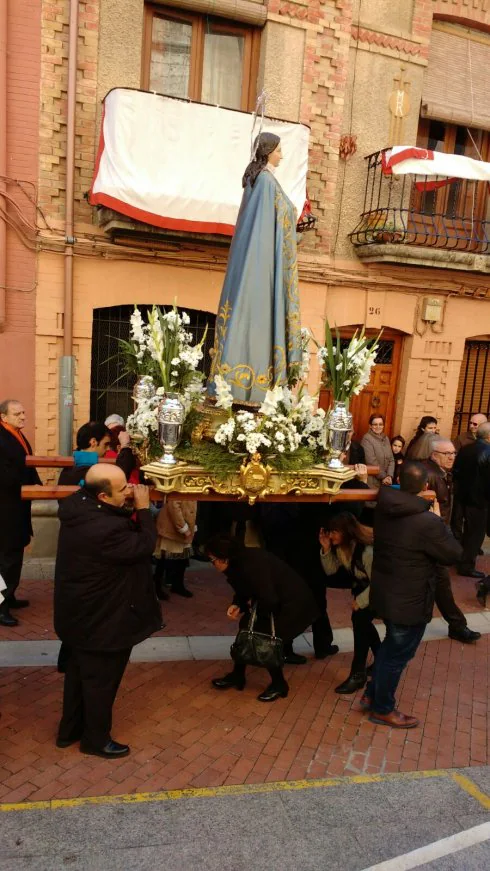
(409, 543)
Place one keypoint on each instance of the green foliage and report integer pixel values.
(212, 457)
(302, 458)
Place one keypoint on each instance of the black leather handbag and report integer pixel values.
(258, 648)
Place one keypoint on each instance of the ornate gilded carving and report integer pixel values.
(254, 480)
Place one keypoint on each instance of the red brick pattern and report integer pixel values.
(205, 614)
(383, 39)
(23, 64)
(54, 82)
(184, 733)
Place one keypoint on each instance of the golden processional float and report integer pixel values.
(258, 433)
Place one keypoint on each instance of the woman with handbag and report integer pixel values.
(274, 605)
(347, 548)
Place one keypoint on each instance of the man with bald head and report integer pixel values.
(461, 441)
(15, 514)
(104, 600)
(439, 467)
(472, 475)
(469, 437)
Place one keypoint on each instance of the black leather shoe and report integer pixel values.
(353, 683)
(466, 635)
(112, 750)
(473, 573)
(272, 693)
(182, 591)
(12, 602)
(295, 659)
(6, 619)
(62, 743)
(330, 651)
(228, 681)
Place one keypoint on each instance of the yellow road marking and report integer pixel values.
(471, 788)
(213, 792)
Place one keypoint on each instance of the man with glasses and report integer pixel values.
(472, 475)
(467, 438)
(439, 467)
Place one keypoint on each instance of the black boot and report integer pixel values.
(274, 692)
(354, 682)
(229, 680)
(7, 619)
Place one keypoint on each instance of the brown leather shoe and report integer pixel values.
(395, 719)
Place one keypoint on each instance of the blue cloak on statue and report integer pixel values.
(258, 329)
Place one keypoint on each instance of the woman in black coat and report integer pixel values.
(262, 579)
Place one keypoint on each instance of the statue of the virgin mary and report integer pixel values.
(258, 330)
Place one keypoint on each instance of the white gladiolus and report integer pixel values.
(224, 396)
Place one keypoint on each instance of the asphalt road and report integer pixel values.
(349, 825)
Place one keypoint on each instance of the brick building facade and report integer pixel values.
(346, 68)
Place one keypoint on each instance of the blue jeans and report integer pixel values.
(397, 649)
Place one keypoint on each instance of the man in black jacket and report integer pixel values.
(472, 475)
(15, 514)
(409, 543)
(439, 467)
(104, 601)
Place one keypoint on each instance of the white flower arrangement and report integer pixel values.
(346, 371)
(144, 420)
(284, 423)
(162, 349)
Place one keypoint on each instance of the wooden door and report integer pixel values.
(379, 396)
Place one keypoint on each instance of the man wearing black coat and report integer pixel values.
(409, 543)
(261, 578)
(15, 514)
(439, 466)
(472, 475)
(104, 601)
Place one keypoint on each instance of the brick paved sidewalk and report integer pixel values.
(205, 614)
(185, 733)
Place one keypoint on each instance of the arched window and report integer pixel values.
(110, 391)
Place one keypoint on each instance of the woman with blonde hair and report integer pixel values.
(347, 545)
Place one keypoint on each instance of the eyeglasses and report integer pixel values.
(474, 423)
(446, 453)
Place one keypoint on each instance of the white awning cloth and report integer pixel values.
(405, 159)
(178, 165)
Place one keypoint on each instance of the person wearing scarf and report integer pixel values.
(15, 515)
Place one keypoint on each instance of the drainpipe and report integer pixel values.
(3, 157)
(67, 361)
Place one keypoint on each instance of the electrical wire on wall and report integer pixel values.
(14, 217)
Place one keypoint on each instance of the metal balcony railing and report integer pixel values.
(421, 210)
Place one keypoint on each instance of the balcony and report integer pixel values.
(423, 220)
